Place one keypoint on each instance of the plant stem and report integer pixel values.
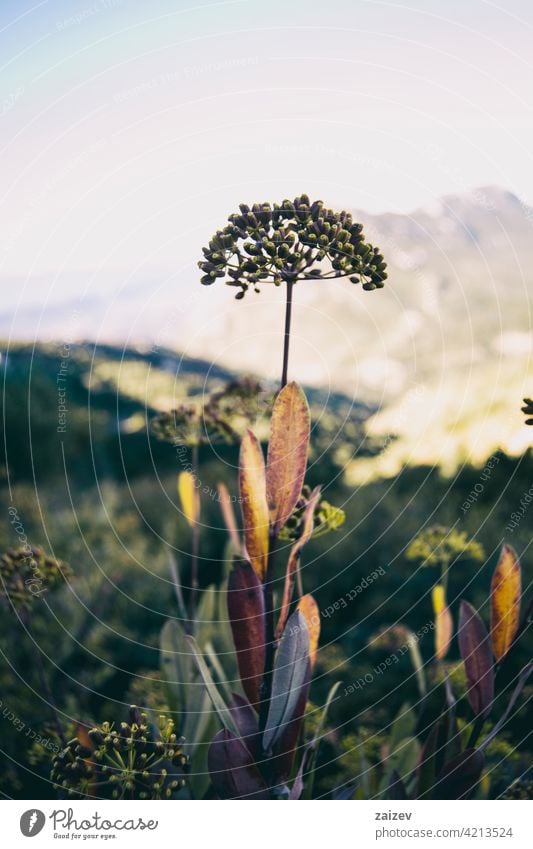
(195, 542)
(287, 334)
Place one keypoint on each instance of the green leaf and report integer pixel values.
(222, 710)
(175, 661)
(403, 726)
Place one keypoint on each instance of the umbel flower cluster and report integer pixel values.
(28, 573)
(289, 242)
(133, 761)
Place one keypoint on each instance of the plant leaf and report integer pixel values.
(175, 659)
(189, 497)
(309, 610)
(291, 669)
(505, 591)
(222, 710)
(246, 609)
(443, 622)
(396, 789)
(294, 559)
(477, 658)
(522, 679)
(233, 770)
(252, 488)
(228, 515)
(287, 453)
(460, 775)
(312, 750)
(246, 721)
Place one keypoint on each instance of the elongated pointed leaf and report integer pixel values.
(309, 767)
(288, 739)
(432, 758)
(176, 664)
(246, 609)
(505, 591)
(222, 710)
(291, 669)
(309, 610)
(287, 453)
(246, 721)
(522, 680)
(189, 497)
(396, 789)
(233, 770)
(476, 653)
(228, 515)
(443, 622)
(294, 559)
(460, 776)
(255, 515)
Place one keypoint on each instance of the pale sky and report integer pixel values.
(130, 130)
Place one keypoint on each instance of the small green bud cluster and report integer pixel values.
(528, 410)
(27, 573)
(133, 761)
(290, 242)
(326, 518)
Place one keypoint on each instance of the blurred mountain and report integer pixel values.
(443, 352)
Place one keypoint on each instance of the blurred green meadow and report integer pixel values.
(100, 494)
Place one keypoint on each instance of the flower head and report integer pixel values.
(133, 761)
(289, 242)
(439, 546)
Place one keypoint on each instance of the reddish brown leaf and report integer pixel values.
(287, 453)
(252, 486)
(233, 771)
(477, 657)
(294, 559)
(460, 775)
(309, 610)
(226, 507)
(505, 591)
(247, 617)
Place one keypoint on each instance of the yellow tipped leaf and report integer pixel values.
(505, 591)
(252, 487)
(189, 497)
(443, 622)
(310, 612)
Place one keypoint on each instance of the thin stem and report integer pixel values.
(299, 582)
(195, 542)
(287, 335)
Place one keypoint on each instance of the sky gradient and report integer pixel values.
(130, 130)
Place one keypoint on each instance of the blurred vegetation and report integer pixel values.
(101, 496)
